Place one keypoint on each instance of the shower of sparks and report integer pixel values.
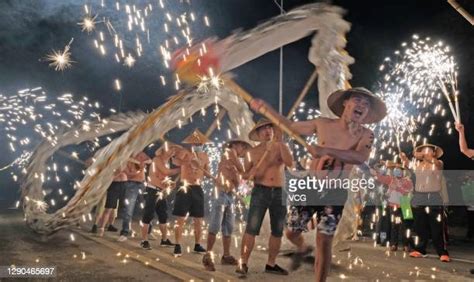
(30, 117)
(147, 32)
(61, 60)
(415, 84)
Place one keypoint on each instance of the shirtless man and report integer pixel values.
(342, 143)
(427, 201)
(116, 188)
(229, 175)
(189, 199)
(265, 165)
(135, 171)
(157, 188)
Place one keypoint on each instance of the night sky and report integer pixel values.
(29, 29)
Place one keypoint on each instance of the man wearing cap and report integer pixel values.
(342, 143)
(399, 184)
(157, 188)
(265, 165)
(229, 175)
(428, 203)
(189, 199)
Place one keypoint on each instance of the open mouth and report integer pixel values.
(357, 113)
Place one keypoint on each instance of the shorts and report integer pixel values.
(327, 218)
(222, 215)
(114, 193)
(189, 200)
(264, 198)
(155, 202)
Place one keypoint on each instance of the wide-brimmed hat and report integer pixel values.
(196, 138)
(162, 148)
(253, 135)
(237, 140)
(439, 152)
(377, 110)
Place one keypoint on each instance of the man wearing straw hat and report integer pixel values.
(428, 202)
(265, 165)
(189, 199)
(342, 143)
(157, 188)
(229, 175)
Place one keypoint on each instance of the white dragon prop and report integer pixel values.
(327, 54)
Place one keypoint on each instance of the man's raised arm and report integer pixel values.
(462, 141)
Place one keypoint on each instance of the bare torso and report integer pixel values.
(120, 176)
(136, 169)
(428, 177)
(228, 174)
(271, 170)
(193, 166)
(156, 176)
(332, 135)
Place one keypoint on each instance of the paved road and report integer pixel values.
(106, 259)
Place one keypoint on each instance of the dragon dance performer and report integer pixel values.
(428, 202)
(115, 190)
(265, 165)
(342, 143)
(229, 176)
(135, 171)
(189, 200)
(155, 194)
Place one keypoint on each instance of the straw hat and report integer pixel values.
(253, 135)
(439, 152)
(377, 111)
(196, 138)
(238, 140)
(170, 146)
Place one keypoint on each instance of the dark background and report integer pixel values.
(29, 29)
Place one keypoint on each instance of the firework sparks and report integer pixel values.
(413, 84)
(60, 60)
(88, 24)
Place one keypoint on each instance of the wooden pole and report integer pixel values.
(248, 98)
(303, 93)
(462, 11)
(213, 126)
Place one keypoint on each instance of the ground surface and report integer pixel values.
(89, 258)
